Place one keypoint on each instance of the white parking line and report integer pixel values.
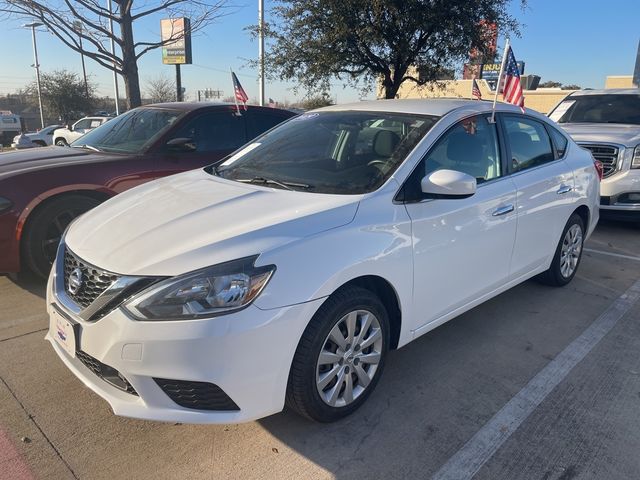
(483, 445)
(619, 255)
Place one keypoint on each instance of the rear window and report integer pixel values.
(598, 109)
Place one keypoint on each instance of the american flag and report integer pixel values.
(241, 95)
(475, 90)
(512, 91)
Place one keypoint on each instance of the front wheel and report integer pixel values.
(45, 228)
(61, 142)
(568, 254)
(340, 356)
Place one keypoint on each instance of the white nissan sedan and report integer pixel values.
(287, 273)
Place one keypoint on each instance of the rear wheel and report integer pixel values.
(568, 254)
(340, 356)
(61, 142)
(45, 228)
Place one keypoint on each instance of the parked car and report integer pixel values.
(41, 138)
(10, 126)
(607, 122)
(286, 273)
(66, 136)
(42, 190)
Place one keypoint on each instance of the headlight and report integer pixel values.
(635, 161)
(204, 293)
(5, 204)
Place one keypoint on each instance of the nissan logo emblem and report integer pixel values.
(75, 281)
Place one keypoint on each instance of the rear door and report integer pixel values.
(545, 197)
(215, 134)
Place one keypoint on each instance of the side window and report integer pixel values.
(530, 144)
(470, 146)
(560, 141)
(214, 131)
(260, 122)
(82, 124)
(95, 123)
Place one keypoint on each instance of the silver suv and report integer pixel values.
(607, 122)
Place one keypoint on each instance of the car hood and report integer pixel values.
(193, 220)
(21, 161)
(628, 135)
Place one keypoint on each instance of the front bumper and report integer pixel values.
(618, 193)
(247, 354)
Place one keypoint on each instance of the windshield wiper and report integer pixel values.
(269, 181)
(89, 147)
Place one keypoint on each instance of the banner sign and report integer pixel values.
(177, 33)
(490, 72)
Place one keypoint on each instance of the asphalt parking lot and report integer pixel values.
(538, 383)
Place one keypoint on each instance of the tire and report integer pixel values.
(61, 142)
(346, 365)
(40, 143)
(571, 244)
(46, 226)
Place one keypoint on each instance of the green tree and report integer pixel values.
(550, 84)
(356, 41)
(63, 95)
(317, 101)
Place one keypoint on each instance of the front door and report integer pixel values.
(462, 247)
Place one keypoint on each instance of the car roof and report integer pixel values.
(607, 91)
(189, 106)
(425, 106)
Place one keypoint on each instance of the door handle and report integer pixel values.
(564, 189)
(503, 210)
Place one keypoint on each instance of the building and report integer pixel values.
(541, 99)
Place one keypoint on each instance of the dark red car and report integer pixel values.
(42, 190)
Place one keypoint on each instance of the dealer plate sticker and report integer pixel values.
(64, 334)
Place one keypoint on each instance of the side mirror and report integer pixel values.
(181, 144)
(448, 184)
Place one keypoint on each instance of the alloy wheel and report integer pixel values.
(349, 358)
(571, 250)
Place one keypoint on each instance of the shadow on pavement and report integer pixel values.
(29, 282)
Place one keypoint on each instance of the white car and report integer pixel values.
(287, 273)
(65, 136)
(41, 138)
(607, 122)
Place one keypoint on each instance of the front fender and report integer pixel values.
(378, 242)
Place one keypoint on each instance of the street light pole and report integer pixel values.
(36, 65)
(113, 53)
(261, 47)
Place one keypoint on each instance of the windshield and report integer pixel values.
(333, 152)
(131, 132)
(598, 109)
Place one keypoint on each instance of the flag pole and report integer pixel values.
(234, 93)
(495, 97)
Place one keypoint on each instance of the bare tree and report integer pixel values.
(58, 17)
(161, 89)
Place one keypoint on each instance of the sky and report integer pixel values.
(570, 41)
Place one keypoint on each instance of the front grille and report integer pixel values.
(607, 154)
(105, 372)
(196, 395)
(94, 280)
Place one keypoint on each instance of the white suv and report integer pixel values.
(288, 272)
(607, 122)
(65, 136)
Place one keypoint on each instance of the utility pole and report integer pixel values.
(77, 26)
(36, 65)
(113, 53)
(261, 48)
